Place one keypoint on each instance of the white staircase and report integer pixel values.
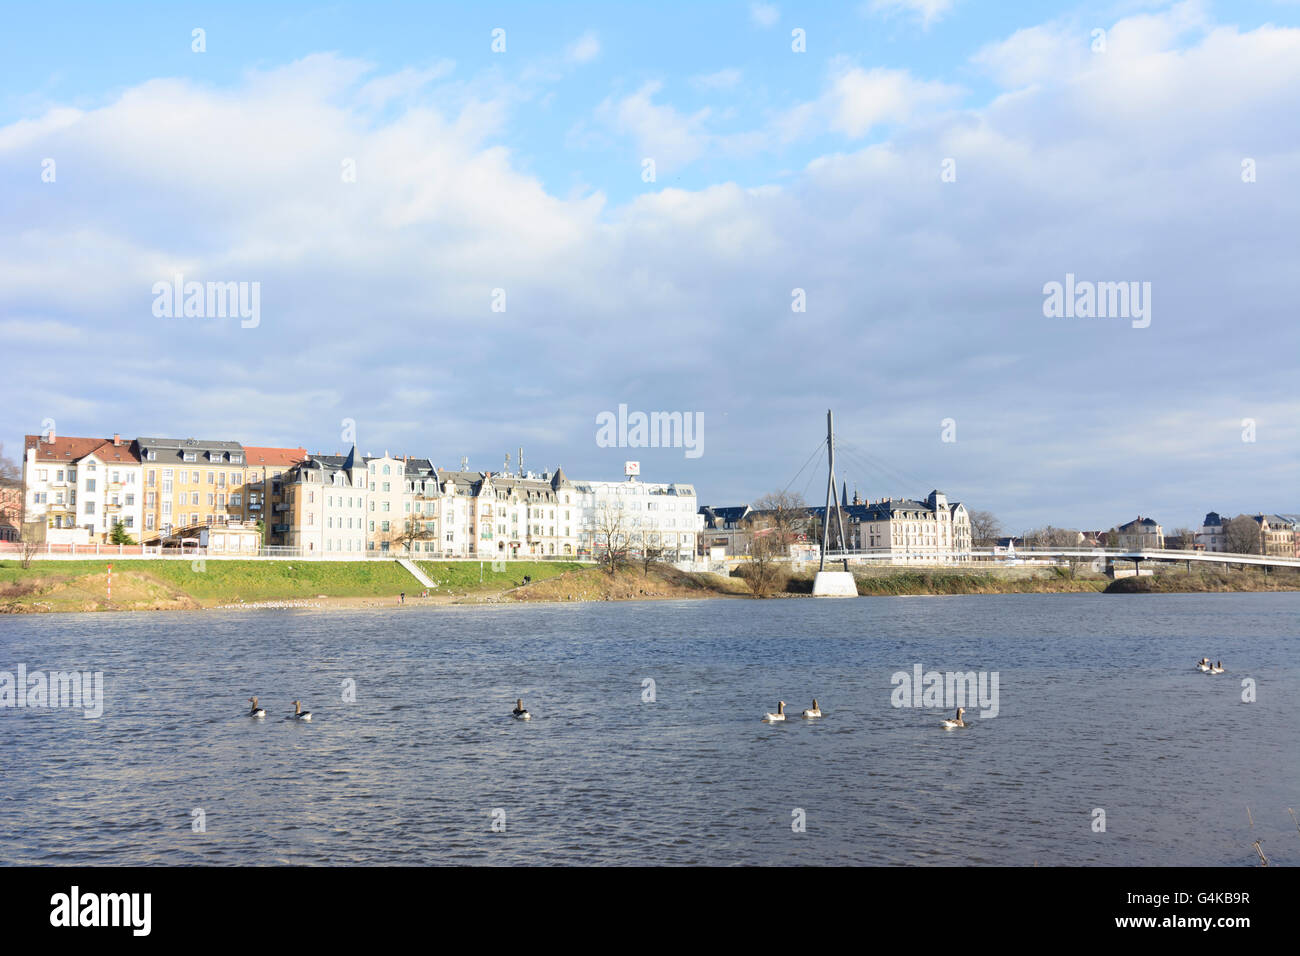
(416, 572)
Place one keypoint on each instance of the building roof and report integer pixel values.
(71, 450)
(274, 457)
(1138, 522)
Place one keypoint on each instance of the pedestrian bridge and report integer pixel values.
(1092, 554)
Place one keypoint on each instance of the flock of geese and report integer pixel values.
(521, 713)
(298, 712)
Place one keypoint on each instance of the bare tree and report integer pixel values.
(783, 515)
(650, 554)
(10, 470)
(609, 532)
(1241, 535)
(766, 571)
(411, 532)
(985, 529)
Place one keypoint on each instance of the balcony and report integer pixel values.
(280, 508)
(254, 506)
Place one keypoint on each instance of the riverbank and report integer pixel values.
(144, 585)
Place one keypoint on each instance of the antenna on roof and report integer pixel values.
(464, 464)
(521, 461)
(506, 469)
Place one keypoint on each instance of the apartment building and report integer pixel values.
(82, 487)
(387, 503)
(1211, 537)
(1140, 534)
(263, 489)
(911, 531)
(1276, 535)
(190, 482)
(325, 504)
(656, 515)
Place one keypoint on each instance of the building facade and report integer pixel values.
(263, 490)
(662, 516)
(325, 503)
(190, 483)
(80, 488)
(909, 531)
(1140, 534)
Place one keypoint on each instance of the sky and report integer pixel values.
(476, 227)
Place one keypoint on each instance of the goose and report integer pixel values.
(1217, 668)
(1203, 665)
(779, 715)
(813, 711)
(299, 713)
(256, 711)
(954, 724)
(519, 712)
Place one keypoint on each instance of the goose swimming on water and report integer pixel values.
(299, 713)
(256, 711)
(519, 713)
(814, 711)
(954, 724)
(779, 715)
(1217, 668)
(1203, 665)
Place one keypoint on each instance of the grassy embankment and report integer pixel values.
(168, 584)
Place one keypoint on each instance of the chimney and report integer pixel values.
(117, 439)
(51, 439)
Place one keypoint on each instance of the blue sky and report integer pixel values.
(774, 170)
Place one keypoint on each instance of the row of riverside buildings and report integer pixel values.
(227, 497)
(907, 530)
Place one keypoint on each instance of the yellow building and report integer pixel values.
(190, 483)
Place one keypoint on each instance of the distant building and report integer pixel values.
(1294, 521)
(264, 489)
(726, 528)
(910, 531)
(1211, 536)
(662, 516)
(325, 498)
(1276, 535)
(11, 509)
(189, 483)
(1141, 534)
(82, 487)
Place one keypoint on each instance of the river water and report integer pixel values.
(1098, 708)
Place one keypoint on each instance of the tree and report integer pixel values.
(9, 469)
(766, 571)
(784, 515)
(609, 531)
(650, 554)
(1241, 535)
(985, 529)
(119, 535)
(32, 537)
(411, 532)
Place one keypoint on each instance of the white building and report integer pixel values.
(663, 516)
(325, 497)
(911, 532)
(82, 487)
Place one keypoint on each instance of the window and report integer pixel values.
(90, 507)
(90, 484)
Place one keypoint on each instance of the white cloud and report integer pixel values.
(764, 14)
(928, 11)
(857, 100)
(721, 80)
(584, 49)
